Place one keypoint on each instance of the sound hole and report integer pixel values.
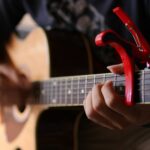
(21, 108)
(21, 112)
(18, 148)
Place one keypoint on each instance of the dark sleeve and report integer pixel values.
(147, 6)
(146, 17)
(11, 11)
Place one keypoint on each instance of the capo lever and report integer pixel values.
(128, 51)
(141, 51)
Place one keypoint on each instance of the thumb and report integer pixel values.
(117, 69)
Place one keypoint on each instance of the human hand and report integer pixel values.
(14, 86)
(106, 108)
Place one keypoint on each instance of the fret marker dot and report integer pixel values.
(43, 92)
(54, 83)
(69, 91)
(82, 91)
(54, 100)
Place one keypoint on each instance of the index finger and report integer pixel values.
(116, 103)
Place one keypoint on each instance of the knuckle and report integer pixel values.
(111, 102)
(105, 86)
(97, 87)
(90, 114)
(98, 105)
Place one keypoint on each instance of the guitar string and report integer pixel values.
(97, 81)
(74, 96)
(89, 85)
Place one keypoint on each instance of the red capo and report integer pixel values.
(128, 51)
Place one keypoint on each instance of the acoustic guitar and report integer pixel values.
(56, 100)
(41, 55)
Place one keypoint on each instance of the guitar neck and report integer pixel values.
(72, 90)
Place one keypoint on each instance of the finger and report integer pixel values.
(14, 85)
(14, 76)
(9, 73)
(102, 109)
(116, 103)
(92, 115)
(117, 69)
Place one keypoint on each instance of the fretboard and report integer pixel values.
(72, 90)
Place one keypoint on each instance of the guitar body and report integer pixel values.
(41, 55)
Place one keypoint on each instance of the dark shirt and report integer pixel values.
(83, 15)
(87, 16)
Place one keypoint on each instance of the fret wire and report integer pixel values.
(97, 79)
(42, 93)
(115, 80)
(47, 92)
(82, 88)
(55, 94)
(85, 86)
(60, 90)
(89, 84)
(71, 90)
(94, 79)
(66, 91)
(143, 76)
(51, 92)
(78, 90)
(104, 78)
(75, 90)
